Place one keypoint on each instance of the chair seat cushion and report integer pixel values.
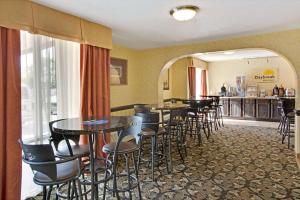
(78, 150)
(147, 132)
(124, 147)
(291, 115)
(161, 130)
(61, 172)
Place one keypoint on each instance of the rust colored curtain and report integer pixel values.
(203, 83)
(95, 85)
(192, 81)
(10, 114)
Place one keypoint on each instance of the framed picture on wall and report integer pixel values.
(118, 71)
(166, 85)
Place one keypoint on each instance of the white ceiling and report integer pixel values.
(147, 23)
(235, 55)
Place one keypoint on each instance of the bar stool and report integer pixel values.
(151, 130)
(194, 123)
(126, 149)
(288, 106)
(49, 172)
(176, 129)
(65, 150)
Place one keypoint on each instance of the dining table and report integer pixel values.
(92, 127)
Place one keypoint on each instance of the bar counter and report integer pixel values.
(251, 108)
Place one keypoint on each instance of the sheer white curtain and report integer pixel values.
(67, 56)
(50, 72)
(38, 87)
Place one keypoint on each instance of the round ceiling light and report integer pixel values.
(184, 13)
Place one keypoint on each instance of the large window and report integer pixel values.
(50, 74)
(38, 78)
(50, 82)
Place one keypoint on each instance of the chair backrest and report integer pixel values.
(56, 138)
(215, 99)
(133, 129)
(205, 103)
(140, 108)
(150, 120)
(288, 105)
(178, 115)
(36, 154)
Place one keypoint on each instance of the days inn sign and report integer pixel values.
(267, 75)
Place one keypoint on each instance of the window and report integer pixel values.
(38, 85)
(50, 85)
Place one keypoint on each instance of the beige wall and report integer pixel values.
(150, 63)
(126, 94)
(200, 63)
(179, 77)
(153, 60)
(226, 72)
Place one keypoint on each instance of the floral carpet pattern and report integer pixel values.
(237, 162)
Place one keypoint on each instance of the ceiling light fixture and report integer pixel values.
(228, 52)
(184, 13)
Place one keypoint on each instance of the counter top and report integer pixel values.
(266, 97)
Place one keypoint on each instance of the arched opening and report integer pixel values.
(247, 62)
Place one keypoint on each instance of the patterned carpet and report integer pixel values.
(238, 162)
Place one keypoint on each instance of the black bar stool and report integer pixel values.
(49, 172)
(151, 130)
(127, 149)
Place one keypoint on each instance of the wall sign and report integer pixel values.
(268, 75)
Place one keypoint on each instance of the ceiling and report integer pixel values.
(234, 55)
(147, 24)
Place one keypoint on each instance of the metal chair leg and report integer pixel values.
(105, 181)
(44, 192)
(84, 186)
(153, 151)
(115, 191)
(169, 150)
(140, 153)
(128, 175)
(79, 189)
(137, 175)
(49, 192)
(164, 151)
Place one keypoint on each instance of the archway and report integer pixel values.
(292, 75)
(174, 60)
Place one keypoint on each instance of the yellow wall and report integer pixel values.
(153, 60)
(150, 62)
(126, 94)
(200, 63)
(179, 78)
(226, 72)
